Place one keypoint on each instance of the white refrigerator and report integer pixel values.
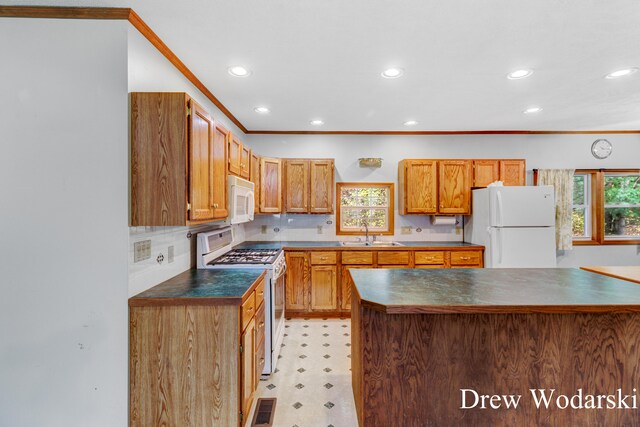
(516, 225)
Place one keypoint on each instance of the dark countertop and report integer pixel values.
(477, 290)
(337, 245)
(202, 287)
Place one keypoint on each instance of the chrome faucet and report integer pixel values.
(366, 231)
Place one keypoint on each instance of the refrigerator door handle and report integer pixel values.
(499, 200)
(499, 235)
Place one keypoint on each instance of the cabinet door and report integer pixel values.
(254, 176)
(420, 187)
(245, 158)
(270, 185)
(345, 285)
(455, 187)
(296, 179)
(248, 368)
(321, 186)
(485, 172)
(296, 281)
(513, 172)
(235, 155)
(220, 156)
(324, 287)
(200, 164)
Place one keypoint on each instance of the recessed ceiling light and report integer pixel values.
(317, 122)
(392, 73)
(410, 123)
(239, 71)
(262, 110)
(621, 73)
(532, 110)
(519, 74)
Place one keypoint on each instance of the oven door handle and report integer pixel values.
(281, 273)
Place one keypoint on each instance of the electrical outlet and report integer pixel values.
(319, 229)
(170, 254)
(405, 229)
(141, 250)
(263, 229)
(458, 231)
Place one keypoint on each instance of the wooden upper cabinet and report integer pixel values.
(235, 155)
(254, 176)
(509, 171)
(513, 172)
(200, 163)
(296, 184)
(321, 186)
(417, 182)
(220, 146)
(270, 185)
(174, 162)
(245, 159)
(485, 172)
(454, 186)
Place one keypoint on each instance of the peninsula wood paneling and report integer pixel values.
(179, 366)
(399, 360)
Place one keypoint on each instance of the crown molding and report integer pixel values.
(135, 20)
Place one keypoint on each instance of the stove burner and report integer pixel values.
(247, 256)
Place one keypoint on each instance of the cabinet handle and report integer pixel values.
(261, 324)
(249, 308)
(465, 258)
(261, 293)
(323, 258)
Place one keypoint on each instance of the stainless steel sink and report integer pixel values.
(374, 244)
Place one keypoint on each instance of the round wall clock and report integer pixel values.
(601, 148)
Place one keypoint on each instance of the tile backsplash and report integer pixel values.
(296, 227)
(150, 272)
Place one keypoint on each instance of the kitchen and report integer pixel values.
(84, 208)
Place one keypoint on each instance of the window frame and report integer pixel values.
(597, 208)
(587, 206)
(390, 208)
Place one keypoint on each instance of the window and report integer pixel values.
(606, 207)
(621, 206)
(581, 216)
(364, 204)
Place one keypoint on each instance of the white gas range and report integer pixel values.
(215, 250)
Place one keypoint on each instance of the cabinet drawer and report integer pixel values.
(466, 258)
(248, 310)
(431, 257)
(393, 257)
(357, 257)
(260, 324)
(323, 257)
(259, 294)
(430, 266)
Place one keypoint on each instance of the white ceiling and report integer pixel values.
(323, 58)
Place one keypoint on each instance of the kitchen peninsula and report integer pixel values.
(428, 344)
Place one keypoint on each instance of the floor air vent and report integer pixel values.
(265, 408)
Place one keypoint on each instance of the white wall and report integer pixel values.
(150, 71)
(540, 151)
(63, 228)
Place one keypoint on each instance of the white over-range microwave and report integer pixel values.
(240, 200)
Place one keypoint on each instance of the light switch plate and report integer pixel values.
(405, 229)
(141, 250)
(263, 229)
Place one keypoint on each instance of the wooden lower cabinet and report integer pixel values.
(194, 364)
(248, 366)
(317, 282)
(324, 287)
(345, 285)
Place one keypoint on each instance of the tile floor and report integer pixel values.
(313, 378)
